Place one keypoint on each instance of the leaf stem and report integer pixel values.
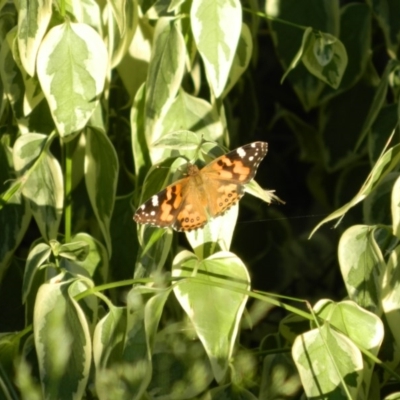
(62, 8)
(275, 19)
(68, 189)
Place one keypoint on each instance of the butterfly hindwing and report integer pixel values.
(193, 211)
(223, 195)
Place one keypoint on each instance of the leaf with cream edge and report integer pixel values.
(71, 67)
(364, 328)
(33, 18)
(386, 163)
(101, 175)
(62, 337)
(123, 343)
(164, 77)
(43, 181)
(391, 303)
(395, 208)
(220, 278)
(216, 26)
(329, 363)
(362, 266)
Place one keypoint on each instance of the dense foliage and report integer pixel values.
(103, 103)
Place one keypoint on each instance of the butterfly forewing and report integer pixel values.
(239, 165)
(226, 176)
(162, 208)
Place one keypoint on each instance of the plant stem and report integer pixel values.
(68, 189)
(276, 19)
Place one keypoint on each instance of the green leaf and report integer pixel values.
(280, 379)
(37, 256)
(124, 242)
(216, 325)
(123, 343)
(287, 39)
(215, 236)
(76, 250)
(43, 181)
(391, 301)
(174, 5)
(256, 190)
(15, 213)
(101, 165)
(14, 220)
(334, 124)
(11, 76)
(28, 385)
(9, 343)
(156, 244)
(62, 339)
(362, 266)
(15, 74)
(182, 139)
(216, 27)
(378, 100)
(364, 328)
(355, 34)
(395, 208)
(326, 58)
(33, 18)
(194, 114)
(181, 369)
(386, 163)
(140, 148)
(124, 20)
(108, 345)
(186, 144)
(161, 175)
(165, 74)
(385, 14)
(382, 130)
(241, 59)
(328, 363)
(300, 53)
(87, 12)
(71, 67)
(108, 340)
(231, 392)
(96, 262)
(393, 396)
(376, 207)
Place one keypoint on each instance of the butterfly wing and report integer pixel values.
(180, 206)
(193, 211)
(186, 204)
(162, 209)
(226, 176)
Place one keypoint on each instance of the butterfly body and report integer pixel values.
(204, 193)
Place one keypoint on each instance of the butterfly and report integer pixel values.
(187, 204)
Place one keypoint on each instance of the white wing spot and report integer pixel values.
(253, 145)
(241, 152)
(153, 213)
(154, 201)
(251, 158)
(143, 206)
